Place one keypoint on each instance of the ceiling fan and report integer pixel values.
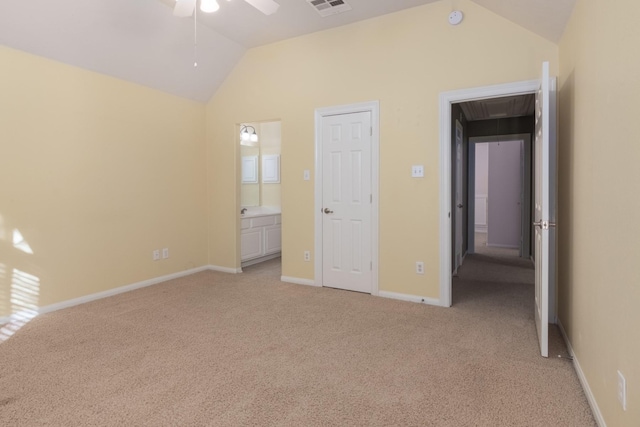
(185, 8)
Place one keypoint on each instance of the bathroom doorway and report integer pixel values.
(260, 191)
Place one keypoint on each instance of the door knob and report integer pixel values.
(545, 225)
(460, 205)
(327, 211)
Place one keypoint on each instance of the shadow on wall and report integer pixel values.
(19, 290)
(566, 187)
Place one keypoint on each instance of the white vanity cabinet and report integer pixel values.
(261, 238)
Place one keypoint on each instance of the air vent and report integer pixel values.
(329, 7)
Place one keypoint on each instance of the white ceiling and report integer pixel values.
(142, 42)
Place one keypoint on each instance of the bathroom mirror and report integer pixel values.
(260, 164)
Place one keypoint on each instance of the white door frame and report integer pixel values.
(446, 99)
(374, 108)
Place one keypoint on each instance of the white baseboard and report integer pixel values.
(480, 228)
(224, 269)
(583, 380)
(410, 298)
(298, 281)
(261, 259)
(120, 290)
(112, 292)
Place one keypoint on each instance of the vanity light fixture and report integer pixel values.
(247, 138)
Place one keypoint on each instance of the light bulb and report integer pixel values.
(254, 137)
(245, 135)
(209, 6)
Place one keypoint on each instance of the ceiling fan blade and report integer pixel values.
(184, 8)
(267, 7)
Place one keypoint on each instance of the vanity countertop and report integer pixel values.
(256, 211)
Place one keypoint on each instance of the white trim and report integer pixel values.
(259, 260)
(374, 108)
(410, 298)
(298, 281)
(122, 289)
(446, 99)
(472, 198)
(583, 380)
(224, 269)
(111, 292)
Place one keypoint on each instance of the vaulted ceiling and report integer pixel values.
(142, 42)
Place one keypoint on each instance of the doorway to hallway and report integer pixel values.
(544, 166)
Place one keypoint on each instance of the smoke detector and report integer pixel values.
(455, 17)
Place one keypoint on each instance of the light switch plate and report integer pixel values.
(417, 171)
(307, 175)
(622, 391)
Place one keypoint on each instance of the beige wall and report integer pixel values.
(95, 173)
(404, 60)
(598, 227)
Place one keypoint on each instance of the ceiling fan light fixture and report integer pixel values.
(209, 6)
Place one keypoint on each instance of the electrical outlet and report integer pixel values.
(156, 254)
(165, 253)
(307, 256)
(417, 171)
(419, 267)
(622, 390)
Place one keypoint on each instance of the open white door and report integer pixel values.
(545, 171)
(459, 199)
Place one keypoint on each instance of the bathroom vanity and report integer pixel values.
(260, 235)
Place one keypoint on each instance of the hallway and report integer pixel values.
(497, 286)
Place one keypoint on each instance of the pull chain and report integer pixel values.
(195, 37)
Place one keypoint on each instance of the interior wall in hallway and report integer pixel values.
(502, 176)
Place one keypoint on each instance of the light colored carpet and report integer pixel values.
(215, 349)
